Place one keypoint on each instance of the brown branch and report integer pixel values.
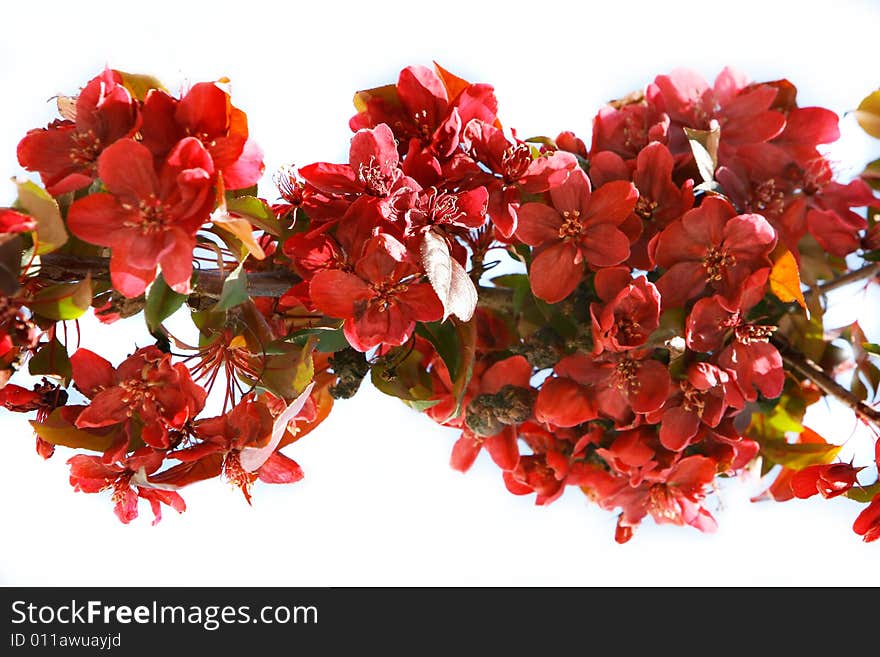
(208, 282)
(868, 271)
(796, 363)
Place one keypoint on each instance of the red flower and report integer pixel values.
(867, 525)
(149, 218)
(581, 228)
(678, 500)
(630, 313)
(44, 398)
(830, 480)
(616, 385)
(66, 153)
(372, 169)
(88, 474)
(626, 129)
(742, 110)
(383, 298)
(206, 112)
(146, 393)
(429, 108)
(701, 400)
(234, 444)
(711, 246)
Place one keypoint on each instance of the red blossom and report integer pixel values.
(867, 524)
(145, 394)
(381, 300)
(66, 153)
(205, 112)
(711, 246)
(581, 228)
(629, 314)
(830, 480)
(149, 218)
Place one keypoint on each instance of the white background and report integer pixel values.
(379, 505)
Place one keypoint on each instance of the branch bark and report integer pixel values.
(207, 282)
(862, 273)
(796, 363)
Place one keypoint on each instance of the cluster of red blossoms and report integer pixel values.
(636, 352)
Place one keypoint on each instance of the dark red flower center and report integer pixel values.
(375, 182)
(716, 262)
(384, 293)
(766, 198)
(515, 161)
(571, 227)
(153, 215)
(85, 149)
(626, 374)
(645, 208)
(121, 486)
(138, 391)
(628, 328)
(237, 475)
(693, 401)
(752, 333)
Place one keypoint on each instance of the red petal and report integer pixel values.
(158, 126)
(128, 279)
(205, 109)
(108, 407)
(804, 483)
(683, 281)
(677, 428)
(503, 449)
(279, 469)
(97, 219)
(554, 274)
(421, 90)
(15, 222)
(335, 292)
(573, 194)
(652, 389)
(611, 203)
(177, 263)
(514, 371)
(537, 223)
(604, 245)
(421, 302)
(331, 178)
(564, 403)
(465, 452)
(126, 168)
(868, 522)
(91, 372)
(247, 169)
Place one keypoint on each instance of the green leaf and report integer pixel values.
(52, 359)
(864, 494)
(287, 374)
(467, 337)
(63, 301)
(871, 347)
(36, 201)
(704, 144)
(330, 339)
(798, 455)
(58, 431)
(234, 290)
(400, 374)
(238, 193)
(162, 302)
(256, 211)
(11, 247)
(421, 405)
(520, 285)
(444, 338)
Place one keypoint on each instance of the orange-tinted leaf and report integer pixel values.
(454, 84)
(785, 279)
(388, 93)
(58, 431)
(240, 228)
(799, 455)
(868, 114)
(138, 85)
